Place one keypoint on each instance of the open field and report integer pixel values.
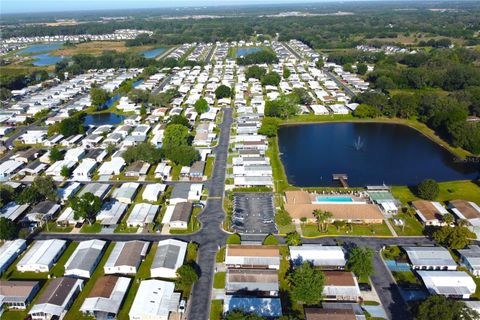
(97, 47)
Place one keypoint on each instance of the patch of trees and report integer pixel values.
(428, 189)
(69, 126)
(86, 207)
(223, 91)
(256, 72)
(269, 127)
(437, 307)
(271, 79)
(163, 99)
(259, 57)
(360, 261)
(283, 107)
(457, 237)
(307, 284)
(140, 40)
(138, 96)
(201, 106)
(41, 189)
(8, 229)
(176, 145)
(144, 152)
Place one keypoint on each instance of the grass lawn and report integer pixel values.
(391, 252)
(476, 295)
(220, 257)
(279, 176)
(216, 310)
(97, 47)
(53, 227)
(405, 278)
(143, 273)
(465, 189)
(286, 229)
(176, 168)
(219, 280)
(74, 312)
(311, 230)
(412, 226)
(94, 228)
(209, 166)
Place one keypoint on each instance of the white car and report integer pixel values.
(181, 307)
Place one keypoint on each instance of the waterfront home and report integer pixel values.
(430, 258)
(430, 212)
(126, 257)
(466, 210)
(9, 251)
(56, 299)
(470, 258)
(168, 258)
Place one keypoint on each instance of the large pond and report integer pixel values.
(41, 53)
(153, 53)
(99, 119)
(369, 153)
(244, 51)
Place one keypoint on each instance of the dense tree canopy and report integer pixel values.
(360, 261)
(283, 108)
(201, 106)
(42, 188)
(457, 237)
(307, 284)
(8, 229)
(144, 151)
(86, 207)
(256, 72)
(428, 189)
(437, 307)
(223, 91)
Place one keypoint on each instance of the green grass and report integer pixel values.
(391, 252)
(286, 229)
(451, 190)
(94, 228)
(193, 224)
(74, 312)
(405, 278)
(412, 226)
(219, 280)
(311, 230)
(142, 273)
(59, 269)
(220, 256)
(209, 166)
(279, 176)
(53, 227)
(289, 305)
(176, 168)
(476, 295)
(216, 310)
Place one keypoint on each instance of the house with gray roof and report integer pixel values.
(85, 259)
(168, 258)
(252, 280)
(470, 258)
(430, 258)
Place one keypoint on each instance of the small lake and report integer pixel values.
(369, 153)
(45, 59)
(244, 51)
(153, 53)
(99, 119)
(41, 47)
(42, 56)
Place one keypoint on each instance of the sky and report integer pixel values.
(24, 6)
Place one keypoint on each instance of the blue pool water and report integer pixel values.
(153, 53)
(244, 51)
(334, 199)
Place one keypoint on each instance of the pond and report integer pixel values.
(99, 119)
(41, 47)
(42, 56)
(244, 51)
(369, 153)
(153, 53)
(45, 59)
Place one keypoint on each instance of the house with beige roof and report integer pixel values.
(126, 257)
(430, 212)
(341, 286)
(18, 294)
(252, 256)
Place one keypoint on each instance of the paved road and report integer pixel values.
(295, 53)
(340, 83)
(209, 55)
(163, 83)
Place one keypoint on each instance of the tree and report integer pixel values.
(322, 218)
(42, 188)
(144, 151)
(339, 224)
(65, 172)
(281, 108)
(183, 155)
(437, 307)
(307, 284)
(293, 239)
(319, 63)
(138, 96)
(98, 97)
(178, 119)
(7, 194)
(360, 261)
(259, 57)
(302, 96)
(87, 206)
(269, 127)
(366, 111)
(271, 79)
(457, 237)
(201, 106)
(362, 68)
(255, 72)
(270, 240)
(175, 135)
(234, 239)
(55, 154)
(186, 275)
(448, 218)
(8, 229)
(223, 91)
(428, 189)
(286, 73)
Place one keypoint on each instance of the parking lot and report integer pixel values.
(253, 213)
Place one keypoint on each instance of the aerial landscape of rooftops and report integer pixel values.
(249, 160)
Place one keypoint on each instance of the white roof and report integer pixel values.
(154, 298)
(317, 254)
(152, 191)
(12, 210)
(142, 213)
(448, 282)
(43, 252)
(10, 249)
(111, 212)
(429, 256)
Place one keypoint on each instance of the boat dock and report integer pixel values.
(342, 178)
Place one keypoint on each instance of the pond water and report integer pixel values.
(99, 119)
(42, 56)
(369, 153)
(244, 51)
(153, 53)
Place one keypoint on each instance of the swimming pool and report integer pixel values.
(334, 199)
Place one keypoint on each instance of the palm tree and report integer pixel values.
(322, 218)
